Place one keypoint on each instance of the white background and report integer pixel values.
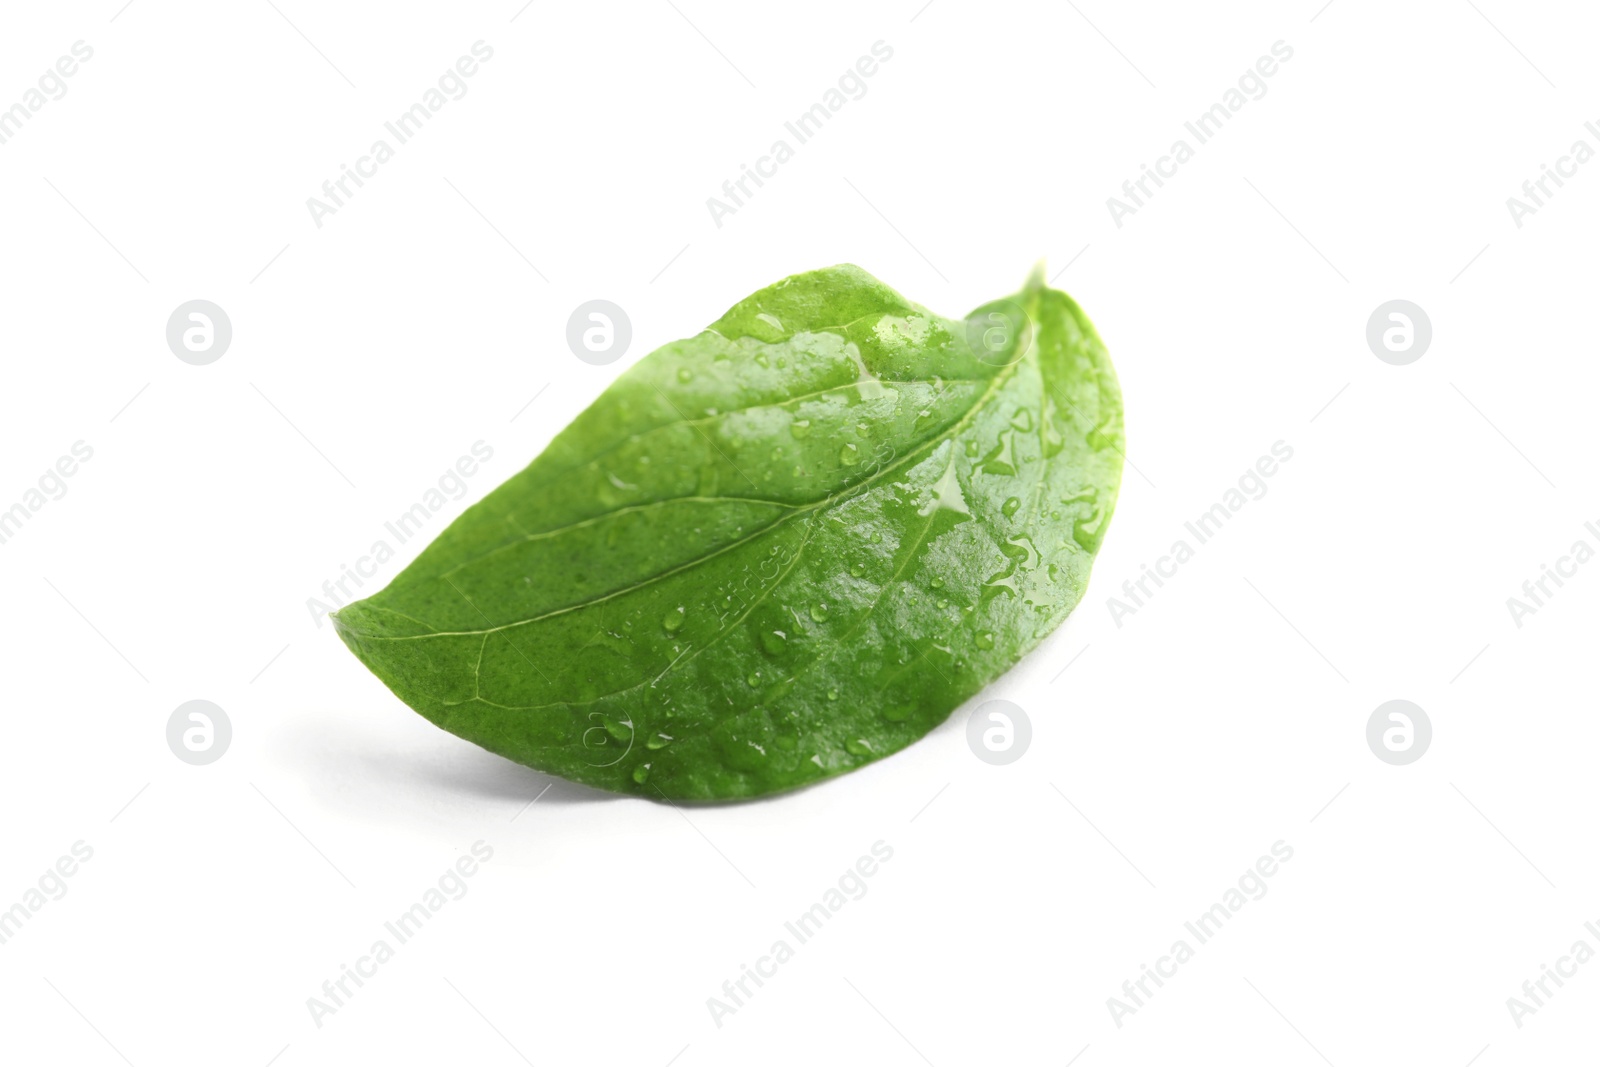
(1227, 714)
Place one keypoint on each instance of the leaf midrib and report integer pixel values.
(948, 434)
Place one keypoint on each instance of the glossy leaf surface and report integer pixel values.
(773, 552)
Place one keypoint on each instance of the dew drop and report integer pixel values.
(858, 747)
(674, 620)
(1009, 508)
(1087, 531)
(800, 427)
(937, 583)
(776, 642)
(1088, 493)
(658, 742)
(858, 569)
(685, 375)
(1106, 434)
(985, 639)
(819, 612)
(833, 694)
(1000, 459)
(641, 773)
(999, 585)
(876, 538)
(1051, 440)
(848, 455)
(753, 679)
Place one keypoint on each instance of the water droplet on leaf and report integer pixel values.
(1087, 532)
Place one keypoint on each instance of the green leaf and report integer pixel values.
(773, 552)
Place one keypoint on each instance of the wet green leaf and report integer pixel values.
(773, 552)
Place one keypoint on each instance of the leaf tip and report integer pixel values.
(1036, 279)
